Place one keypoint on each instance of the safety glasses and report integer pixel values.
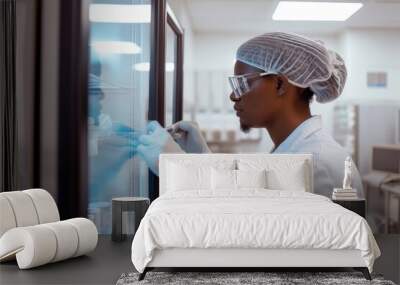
(240, 83)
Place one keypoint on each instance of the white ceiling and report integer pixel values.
(255, 16)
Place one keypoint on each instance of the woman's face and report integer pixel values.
(258, 106)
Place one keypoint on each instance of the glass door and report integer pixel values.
(173, 69)
(118, 92)
(170, 74)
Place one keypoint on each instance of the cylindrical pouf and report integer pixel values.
(7, 218)
(23, 208)
(45, 205)
(33, 246)
(41, 244)
(67, 240)
(87, 235)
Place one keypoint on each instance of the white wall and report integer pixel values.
(371, 50)
(216, 51)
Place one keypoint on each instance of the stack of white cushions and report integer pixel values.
(186, 175)
(31, 230)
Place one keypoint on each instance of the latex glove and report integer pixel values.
(192, 141)
(122, 130)
(156, 140)
(114, 134)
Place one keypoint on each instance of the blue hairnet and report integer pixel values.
(305, 62)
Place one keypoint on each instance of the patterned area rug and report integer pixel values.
(229, 278)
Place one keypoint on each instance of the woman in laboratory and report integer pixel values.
(276, 76)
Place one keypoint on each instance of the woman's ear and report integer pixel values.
(281, 84)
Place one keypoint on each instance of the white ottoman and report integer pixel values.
(31, 232)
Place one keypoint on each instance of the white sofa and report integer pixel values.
(31, 231)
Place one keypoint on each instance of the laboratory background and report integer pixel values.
(84, 88)
(365, 119)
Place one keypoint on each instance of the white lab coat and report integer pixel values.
(328, 156)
